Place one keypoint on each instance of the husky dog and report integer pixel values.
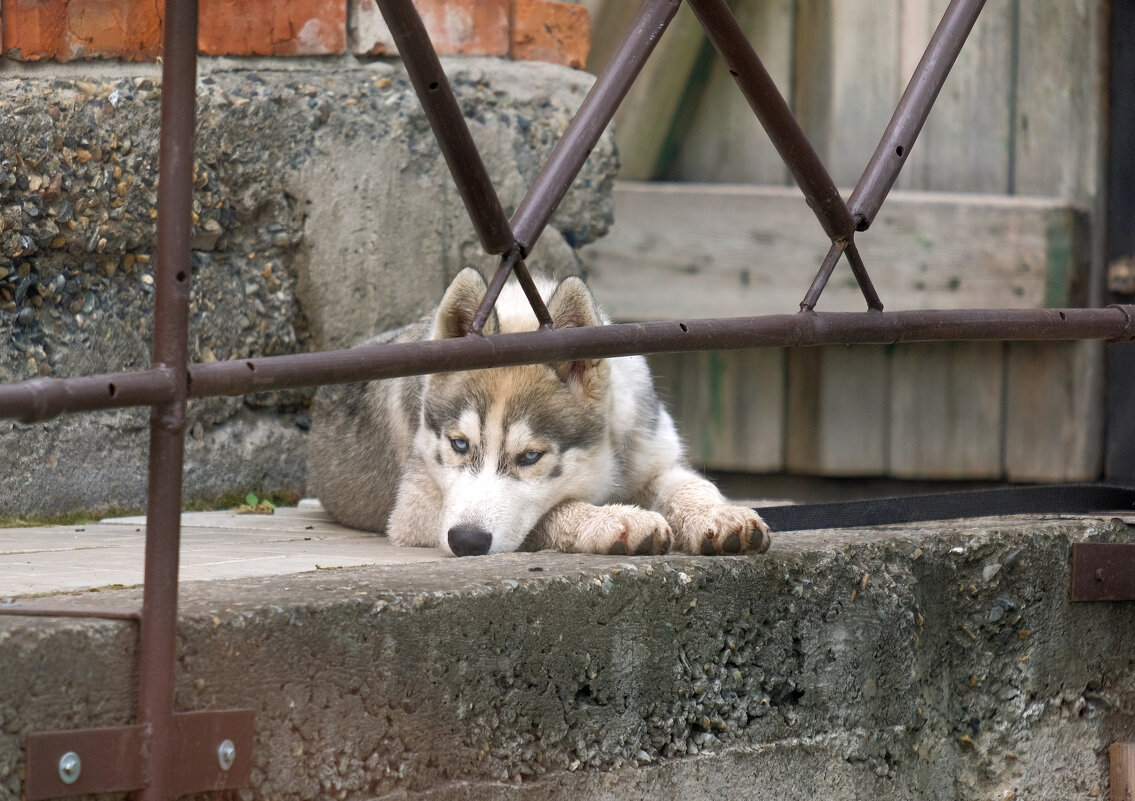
(578, 455)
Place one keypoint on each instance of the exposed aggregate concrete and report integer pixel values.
(323, 213)
(943, 662)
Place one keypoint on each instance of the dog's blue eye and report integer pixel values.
(529, 458)
(459, 444)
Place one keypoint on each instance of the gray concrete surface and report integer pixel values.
(933, 662)
(214, 545)
(324, 214)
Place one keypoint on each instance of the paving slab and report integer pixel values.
(214, 545)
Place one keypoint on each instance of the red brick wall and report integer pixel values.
(131, 30)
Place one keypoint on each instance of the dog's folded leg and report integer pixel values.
(702, 520)
(416, 519)
(579, 527)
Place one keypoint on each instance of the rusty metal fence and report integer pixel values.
(167, 754)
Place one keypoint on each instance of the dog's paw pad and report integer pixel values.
(649, 533)
(620, 530)
(725, 529)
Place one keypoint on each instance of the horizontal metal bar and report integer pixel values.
(238, 377)
(44, 398)
(782, 330)
(132, 614)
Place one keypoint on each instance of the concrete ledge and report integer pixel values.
(324, 214)
(941, 662)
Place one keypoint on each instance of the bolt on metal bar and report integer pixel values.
(775, 116)
(158, 641)
(910, 114)
(570, 153)
(448, 123)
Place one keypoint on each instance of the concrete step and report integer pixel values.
(934, 662)
(214, 545)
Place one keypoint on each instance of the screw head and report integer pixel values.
(70, 766)
(226, 754)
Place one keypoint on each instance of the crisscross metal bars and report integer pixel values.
(171, 379)
(838, 220)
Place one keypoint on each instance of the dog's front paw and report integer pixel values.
(723, 528)
(621, 529)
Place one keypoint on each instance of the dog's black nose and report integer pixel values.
(469, 540)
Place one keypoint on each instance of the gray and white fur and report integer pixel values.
(578, 456)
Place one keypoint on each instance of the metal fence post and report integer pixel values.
(158, 644)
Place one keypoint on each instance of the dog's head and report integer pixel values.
(506, 445)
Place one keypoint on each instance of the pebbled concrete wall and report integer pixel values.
(324, 213)
(941, 662)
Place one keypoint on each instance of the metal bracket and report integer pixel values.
(1102, 571)
(214, 753)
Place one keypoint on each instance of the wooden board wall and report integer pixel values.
(1021, 114)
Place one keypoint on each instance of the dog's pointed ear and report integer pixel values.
(459, 305)
(573, 306)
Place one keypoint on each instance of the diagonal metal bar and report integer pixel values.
(821, 280)
(460, 151)
(158, 636)
(859, 270)
(570, 153)
(512, 263)
(448, 123)
(775, 116)
(910, 114)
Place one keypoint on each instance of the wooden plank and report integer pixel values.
(1055, 401)
(610, 20)
(724, 141)
(643, 120)
(723, 250)
(1054, 411)
(847, 78)
(1122, 771)
(838, 417)
(965, 144)
(728, 406)
(946, 402)
(845, 90)
(1061, 98)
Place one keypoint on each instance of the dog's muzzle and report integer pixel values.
(469, 540)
